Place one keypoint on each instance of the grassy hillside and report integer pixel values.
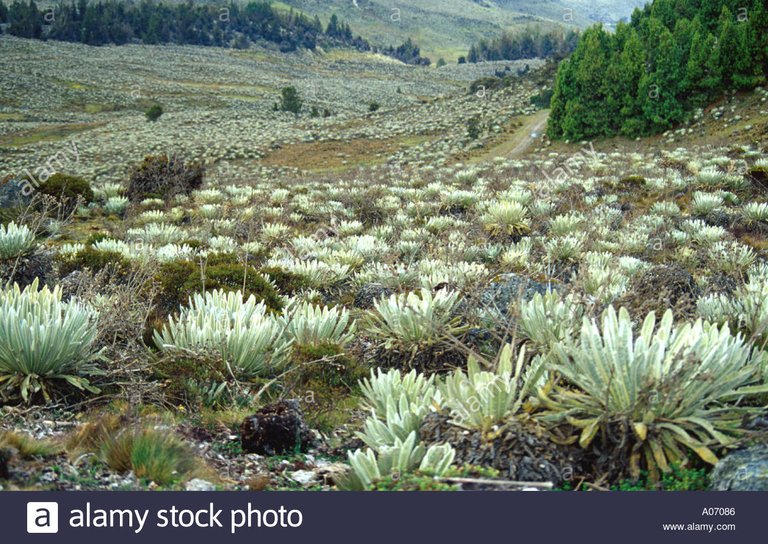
(446, 28)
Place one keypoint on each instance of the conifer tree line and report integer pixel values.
(227, 24)
(408, 52)
(528, 44)
(673, 56)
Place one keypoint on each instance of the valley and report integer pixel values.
(269, 267)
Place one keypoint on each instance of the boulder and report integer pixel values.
(304, 477)
(370, 293)
(507, 289)
(276, 429)
(14, 193)
(196, 484)
(742, 470)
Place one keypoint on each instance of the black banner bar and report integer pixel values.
(401, 518)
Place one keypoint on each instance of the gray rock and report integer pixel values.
(196, 484)
(304, 477)
(508, 289)
(370, 293)
(742, 470)
(719, 218)
(12, 194)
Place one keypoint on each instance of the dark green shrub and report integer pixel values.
(179, 280)
(759, 176)
(95, 261)
(290, 100)
(164, 176)
(485, 84)
(473, 128)
(170, 279)
(287, 283)
(235, 277)
(154, 112)
(96, 237)
(632, 181)
(374, 106)
(543, 99)
(68, 189)
(325, 364)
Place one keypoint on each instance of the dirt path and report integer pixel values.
(519, 141)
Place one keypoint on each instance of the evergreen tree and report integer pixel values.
(472, 56)
(333, 26)
(758, 22)
(729, 46)
(563, 90)
(25, 20)
(673, 56)
(585, 114)
(701, 73)
(659, 89)
(99, 22)
(290, 101)
(631, 69)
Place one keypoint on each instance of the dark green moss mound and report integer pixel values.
(286, 282)
(192, 382)
(179, 280)
(236, 277)
(67, 189)
(95, 261)
(633, 181)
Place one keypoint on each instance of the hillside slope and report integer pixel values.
(446, 28)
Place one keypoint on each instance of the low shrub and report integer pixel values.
(178, 280)
(69, 190)
(287, 283)
(194, 382)
(94, 260)
(164, 176)
(235, 277)
(154, 112)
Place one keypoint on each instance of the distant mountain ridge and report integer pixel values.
(447, 28)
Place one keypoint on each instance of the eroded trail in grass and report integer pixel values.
(517, 143)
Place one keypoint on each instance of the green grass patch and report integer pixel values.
(45, 134)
